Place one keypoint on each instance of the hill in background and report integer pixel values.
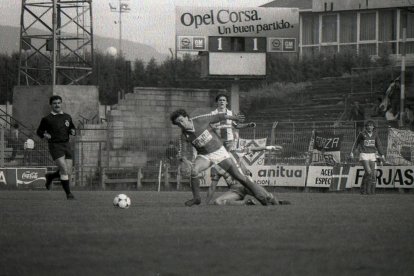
(9, 43)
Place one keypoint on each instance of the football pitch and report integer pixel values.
(41, 233)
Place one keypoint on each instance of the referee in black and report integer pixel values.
(56, 128)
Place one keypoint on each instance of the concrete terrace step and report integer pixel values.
(325, 116)
(301, 108)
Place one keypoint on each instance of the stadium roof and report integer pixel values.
(301, 4)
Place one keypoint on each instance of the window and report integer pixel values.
(369, 49)
(367, 26)
(351, 49)
(310, 51)
(387, 25)
(348, 25)
(329, 50)
(329, 28)
(409, 48)
(387, 47)
(310, 29)
(407, 21)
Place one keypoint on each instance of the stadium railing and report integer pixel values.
(133, 157)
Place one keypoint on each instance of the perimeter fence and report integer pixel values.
(105, 156)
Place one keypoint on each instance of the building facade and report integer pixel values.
(370, 26)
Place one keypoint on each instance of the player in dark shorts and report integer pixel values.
(210, 150)
(56, 128)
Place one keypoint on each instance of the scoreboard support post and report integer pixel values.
(235, 91)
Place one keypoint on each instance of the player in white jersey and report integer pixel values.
(227, 129)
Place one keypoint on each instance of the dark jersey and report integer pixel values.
(202, 136)
(366, 143)
(57, 125)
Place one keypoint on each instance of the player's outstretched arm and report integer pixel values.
(237, 117)
(246, 125)
(266, 148)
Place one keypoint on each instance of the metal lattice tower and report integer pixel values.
(56, 42)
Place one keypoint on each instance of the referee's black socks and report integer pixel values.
(65, 186)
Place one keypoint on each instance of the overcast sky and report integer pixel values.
(150, 22)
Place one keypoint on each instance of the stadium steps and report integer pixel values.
(314, 112)
(326, 100)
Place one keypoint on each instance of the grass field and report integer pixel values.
(41, 233)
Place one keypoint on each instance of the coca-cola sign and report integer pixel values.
(29, 175)
(33, 176)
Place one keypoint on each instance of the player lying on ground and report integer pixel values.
(236, 195)
(210, 150)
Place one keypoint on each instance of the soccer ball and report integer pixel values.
(122, 201)
(112, 51)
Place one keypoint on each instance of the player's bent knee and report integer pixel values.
(195, 173)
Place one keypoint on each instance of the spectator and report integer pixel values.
(395, 94)
(391, 117)
(14, 141)
(408, 117)
(376, 110)
(358, 115)
(28, 150)
(171, 153)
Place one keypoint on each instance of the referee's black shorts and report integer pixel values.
(58, 150)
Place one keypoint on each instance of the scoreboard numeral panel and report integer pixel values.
(237, 44)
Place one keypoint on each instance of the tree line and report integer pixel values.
(115, 74)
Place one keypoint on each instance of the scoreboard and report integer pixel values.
(236, 56)
(237, 44)
(235, 41)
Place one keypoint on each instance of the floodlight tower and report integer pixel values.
(56, 42)
(122, 8)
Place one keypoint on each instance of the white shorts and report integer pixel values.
(217, 156)
(367, 157)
